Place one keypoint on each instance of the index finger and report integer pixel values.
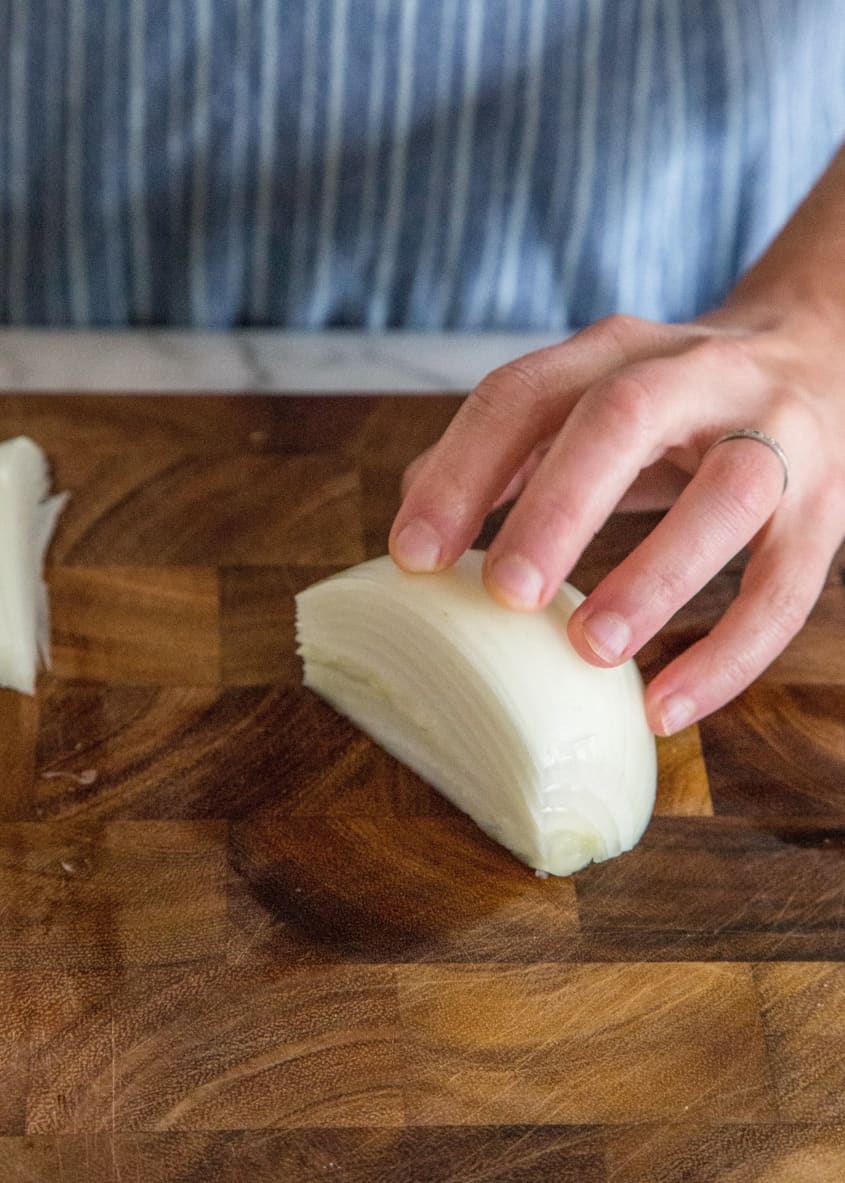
(495, 431)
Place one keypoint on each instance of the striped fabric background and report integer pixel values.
(382, 163)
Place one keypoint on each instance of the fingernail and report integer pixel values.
(417, 548)
(608, 635)
(675, 713)
(518, 580)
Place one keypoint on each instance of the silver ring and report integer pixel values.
(751, 433)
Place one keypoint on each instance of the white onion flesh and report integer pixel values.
(550, 756)
(28, 518)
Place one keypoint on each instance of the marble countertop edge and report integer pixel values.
(264, 361)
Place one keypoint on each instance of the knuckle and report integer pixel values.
(748, 497)
(783, 605)
(552, 511)
(728, 353)
(437, 487)
(789, 600)
(630, 399)
(788, 612)
(667, 586)
(789, 406)
(736, 670)
(490, 402)
(790, 416)
(450, 486)
(511, 392)
(509, 395)
(621, 327)
(746, 494)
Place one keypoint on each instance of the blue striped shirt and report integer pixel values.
(436, 164)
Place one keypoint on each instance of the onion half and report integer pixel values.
(550, 756)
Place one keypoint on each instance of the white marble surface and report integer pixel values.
(261, 360)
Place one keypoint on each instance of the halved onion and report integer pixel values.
(550, 756)
(27, 521)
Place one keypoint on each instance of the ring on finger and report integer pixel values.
(752, 433)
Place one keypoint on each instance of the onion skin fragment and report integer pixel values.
(550, 756)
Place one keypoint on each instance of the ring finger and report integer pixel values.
(735, 491)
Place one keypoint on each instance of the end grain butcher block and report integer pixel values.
(239, 942)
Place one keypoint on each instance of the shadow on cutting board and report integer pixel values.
(360, 855)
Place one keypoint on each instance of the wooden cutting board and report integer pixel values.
(239, 942)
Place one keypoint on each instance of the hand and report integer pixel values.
(622, 416)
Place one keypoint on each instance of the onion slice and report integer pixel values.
(28, 518)
(550, 756)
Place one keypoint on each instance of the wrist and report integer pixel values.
(796, 301)
(789, 309)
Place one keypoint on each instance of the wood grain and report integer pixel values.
(19, 724)
(682, 1152)
(203, 1048)
(136, 625)
(239, 941)
(125, 893)
(536, 1044)
(719, 888)
(257, 622)
(806, 1038)
(504, 1154)
(67, 425)
(779, 750)
(683, 787)
(227, 508)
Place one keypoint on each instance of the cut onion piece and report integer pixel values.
(550, 756)
(27, 520)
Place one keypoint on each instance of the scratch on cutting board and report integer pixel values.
(115, 1163)
(86, 778)
(260, 930)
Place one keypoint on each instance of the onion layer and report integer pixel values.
(27, 520)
